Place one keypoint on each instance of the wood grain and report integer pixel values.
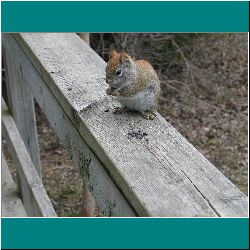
(34, 197)
(162, 176)
(109, 199)
(12, 205)
(21, 106)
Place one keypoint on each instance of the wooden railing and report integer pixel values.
(157, 174)
(35, 199)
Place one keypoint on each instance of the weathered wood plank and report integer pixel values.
(164, 176)
(110, 200)
(21, 106)
(35, 199)
(12, 205)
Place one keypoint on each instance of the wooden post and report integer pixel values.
(35, 199)
(21, 105)
(85, 37)
(88, 206)
(12, 205)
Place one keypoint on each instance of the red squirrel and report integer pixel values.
(134, 83)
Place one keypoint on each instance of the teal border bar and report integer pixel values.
(121, 16)
(139, 233)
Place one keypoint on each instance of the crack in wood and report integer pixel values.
(205, 198)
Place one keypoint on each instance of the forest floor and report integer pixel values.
(205, 99)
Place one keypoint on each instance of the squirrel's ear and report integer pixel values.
(112, 54)
(124, 58)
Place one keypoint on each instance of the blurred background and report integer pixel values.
(204, 80)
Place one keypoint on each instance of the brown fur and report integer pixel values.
(141, 75)
(145, 71)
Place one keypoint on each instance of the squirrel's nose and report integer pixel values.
(108, 80)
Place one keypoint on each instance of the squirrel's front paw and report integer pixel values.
(112, 91)
(108, 91)
(120, 110)
(149, 115)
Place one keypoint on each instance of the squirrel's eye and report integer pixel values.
(118, 72)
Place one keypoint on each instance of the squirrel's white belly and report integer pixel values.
(142, 101)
